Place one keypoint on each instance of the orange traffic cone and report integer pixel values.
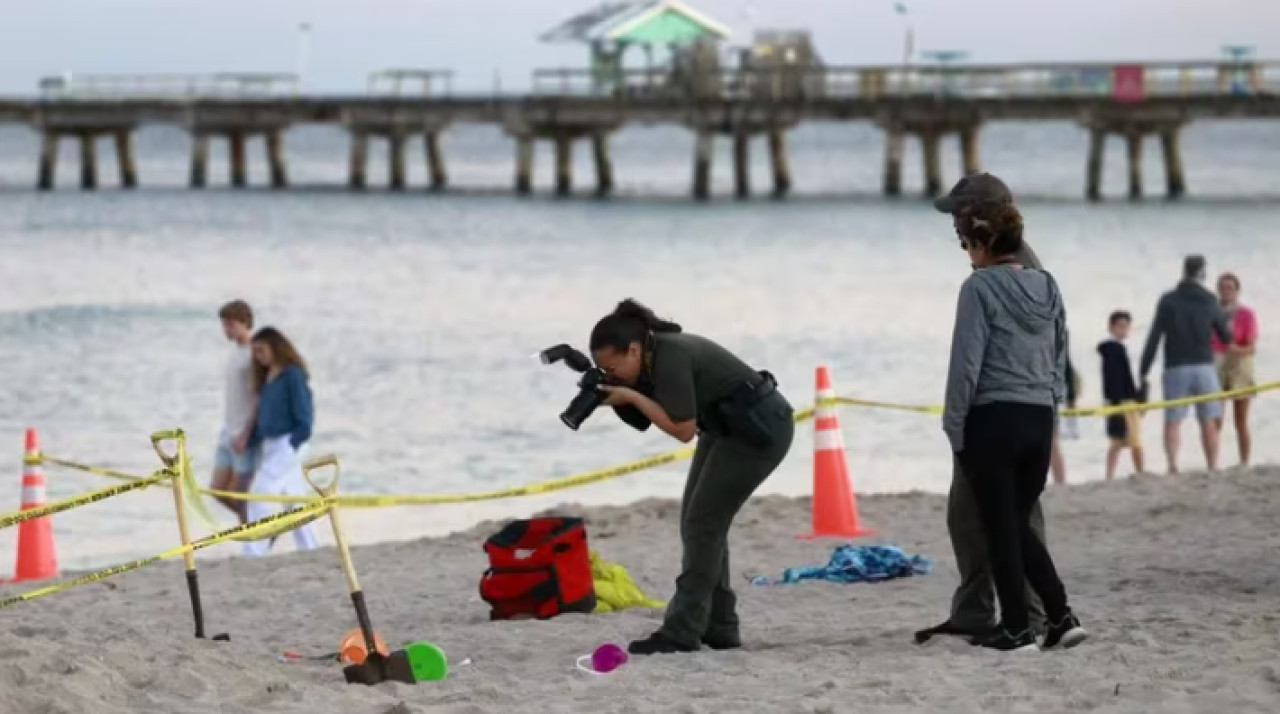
(835, 508)
(37, 558)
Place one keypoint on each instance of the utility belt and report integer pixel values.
(747, 412)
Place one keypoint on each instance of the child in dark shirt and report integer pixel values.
(1118, 387)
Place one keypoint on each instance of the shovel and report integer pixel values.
(376, 668)
(177, 463)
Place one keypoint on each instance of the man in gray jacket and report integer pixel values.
(1185, 319)
(973, 607)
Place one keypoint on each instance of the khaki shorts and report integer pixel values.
(1235, 371)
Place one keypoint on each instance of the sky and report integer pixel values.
(487, 41)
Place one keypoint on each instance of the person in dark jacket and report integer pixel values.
(1186, 319)
(973, 606)
(1118, 387)
(1007, 375)
(687, 386)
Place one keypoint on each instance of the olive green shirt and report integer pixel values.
(691, 373)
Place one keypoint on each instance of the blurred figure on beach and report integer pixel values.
(1234, 359)
(1005, 382)
(1118, 387)
(284, 423)
(1186, 319)
(234, 459)
(973, 607)
(1065, 427)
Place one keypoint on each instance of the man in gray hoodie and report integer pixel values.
(1185, 319)
(973, 607)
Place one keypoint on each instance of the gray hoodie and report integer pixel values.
(1009, 344)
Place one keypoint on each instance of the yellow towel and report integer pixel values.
(615, 590)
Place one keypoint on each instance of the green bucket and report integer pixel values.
(428, 662)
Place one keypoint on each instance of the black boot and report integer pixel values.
(658, 643)
(951, 629)
(722, 639)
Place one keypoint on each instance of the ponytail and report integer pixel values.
(630, 322)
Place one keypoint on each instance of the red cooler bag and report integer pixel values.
(538, 568)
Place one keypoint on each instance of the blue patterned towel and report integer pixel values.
(857, 564)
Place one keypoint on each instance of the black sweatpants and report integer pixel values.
(1006, 455)
(724, 473)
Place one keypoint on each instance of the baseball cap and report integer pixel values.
(1193, 265)
(975, 188)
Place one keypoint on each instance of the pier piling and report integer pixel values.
(969, 161)
(742, 164)
(435, 161)
(88, 161)
(48, 172)
(1134, 138)
(604, 163)
(275, 157)
(395, 161)
(931, 143)
(564, 164)
(703, 151)
(239, 166)
(125, 159)
(524, 165)
(359, 160)
(199, 160)
(781, 163)
(893, 140)
(1093, 172)
(1174, 178)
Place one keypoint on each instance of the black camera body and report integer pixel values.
(589, 396)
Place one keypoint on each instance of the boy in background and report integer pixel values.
(235, 460)
(1119, 387)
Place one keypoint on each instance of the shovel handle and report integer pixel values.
(159, 437)
(320, 462)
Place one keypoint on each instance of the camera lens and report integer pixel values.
(582, 406)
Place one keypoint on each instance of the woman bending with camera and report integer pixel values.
(689, 386)
(1007, 374)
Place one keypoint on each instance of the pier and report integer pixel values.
(748, 107)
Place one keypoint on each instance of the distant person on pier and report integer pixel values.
(234, 460)
(973, 607)
(1235, 360)
(1119, 387)
(1186, 320)
(284, 423)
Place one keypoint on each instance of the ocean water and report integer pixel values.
(420, 314)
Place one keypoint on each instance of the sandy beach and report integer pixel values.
(1176, 579)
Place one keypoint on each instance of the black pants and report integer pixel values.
(724, 473)
(1006, 455)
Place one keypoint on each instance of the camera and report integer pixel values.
(589, 396)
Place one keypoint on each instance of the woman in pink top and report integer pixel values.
(1235, 361)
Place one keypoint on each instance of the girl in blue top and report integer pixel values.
(283, 424)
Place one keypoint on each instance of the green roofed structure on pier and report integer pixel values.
(670, 32)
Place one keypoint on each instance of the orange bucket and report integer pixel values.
(352, 650)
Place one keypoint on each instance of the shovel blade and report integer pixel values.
(377, 669)
(400, 668)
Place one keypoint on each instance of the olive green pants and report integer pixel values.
(724, 474)
(974, 604)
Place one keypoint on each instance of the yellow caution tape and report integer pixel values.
(39, 459)
(17, 517)
(612, 472)
(260, 529)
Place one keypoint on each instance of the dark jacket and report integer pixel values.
(1117, 374)
(1185, 318)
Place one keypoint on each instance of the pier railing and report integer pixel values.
(1126, 82)
(165, 86)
